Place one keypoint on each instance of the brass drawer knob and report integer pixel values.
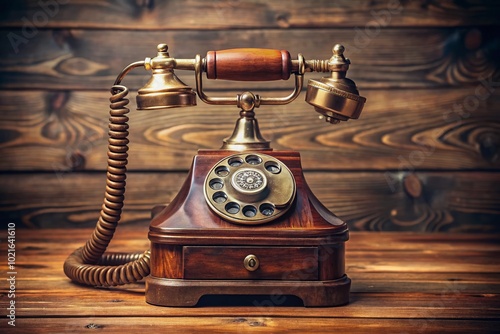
(251, 262)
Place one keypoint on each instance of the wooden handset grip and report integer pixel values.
(249, 64)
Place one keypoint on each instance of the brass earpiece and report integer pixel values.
(164, 89)
(335, 97)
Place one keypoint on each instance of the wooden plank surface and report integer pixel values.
(261, 324)
(451, 284)
(198, 14)
(404, 130)
(91, 59)
(421, 201)
(430, 70)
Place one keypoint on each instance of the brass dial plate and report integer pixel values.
(249, 188)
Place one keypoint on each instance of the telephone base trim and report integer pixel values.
(187, 293)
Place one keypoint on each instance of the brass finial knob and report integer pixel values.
(162, 47)
(338, 50)
(338, 60)
(162, 50)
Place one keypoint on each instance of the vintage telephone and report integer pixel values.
(245, 221)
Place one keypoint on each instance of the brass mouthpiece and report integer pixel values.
(335, 97)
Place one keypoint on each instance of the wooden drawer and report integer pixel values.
(221, 262)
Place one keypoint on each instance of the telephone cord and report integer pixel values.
(90, 264)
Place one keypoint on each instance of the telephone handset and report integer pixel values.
(245, 221)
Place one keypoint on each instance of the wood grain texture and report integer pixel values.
(430, 71)
(430, 282)
(402, 130)
(261, 324)
(227, 263)
(169, 264)
(198, 14)
(366, 201)
(248, 64)
(91, 59)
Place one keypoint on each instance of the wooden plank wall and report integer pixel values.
(424, 156)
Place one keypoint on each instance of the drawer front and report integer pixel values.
(221, 262)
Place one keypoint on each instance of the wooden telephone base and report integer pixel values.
(194, 252)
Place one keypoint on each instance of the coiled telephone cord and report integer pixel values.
(89, 264)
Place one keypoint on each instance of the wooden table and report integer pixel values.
(401, 282)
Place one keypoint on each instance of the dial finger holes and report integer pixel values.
(249, 188)
(249, 211)
(222, 171)
(216, 184)
(273, 167)
(235, 162)
(267, 209)
(219, 197)
(232, 208)
(253, 159)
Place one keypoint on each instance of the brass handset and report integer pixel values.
(335, 97)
